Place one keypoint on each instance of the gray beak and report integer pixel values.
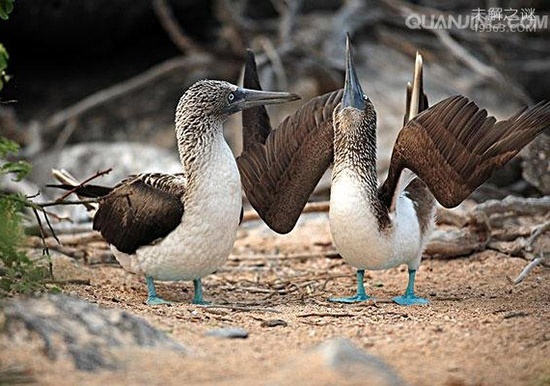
(353, 94)
(246, 98)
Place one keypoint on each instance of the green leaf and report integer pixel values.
(19, 168)
(55, 290)
(6, 6)
(4, 56)
(7, 146)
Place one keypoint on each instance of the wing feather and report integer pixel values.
(140, 210)
(280, 168)
(454, 146)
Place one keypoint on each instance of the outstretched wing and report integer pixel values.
(454, 147)
(140, 210)
(280, 168)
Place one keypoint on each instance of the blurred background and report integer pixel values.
(94, 84)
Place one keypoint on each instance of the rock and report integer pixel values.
(228, 333)
(274, 323)
(338, 362)
(92, 337)
(536, 163)
(64, 268)
(451, 241)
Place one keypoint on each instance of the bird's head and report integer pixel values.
(355, 112)
(219, 99)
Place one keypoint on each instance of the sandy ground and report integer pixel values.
(478, 329)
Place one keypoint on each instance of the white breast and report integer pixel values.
(355, 231)
(204, 239)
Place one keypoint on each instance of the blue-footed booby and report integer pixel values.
(182, 226)
(444, 153)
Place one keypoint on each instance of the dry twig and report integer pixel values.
(529, 267)
(325, 314)
(241, 308)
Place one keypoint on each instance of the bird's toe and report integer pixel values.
(409, 300)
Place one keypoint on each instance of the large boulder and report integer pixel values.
(91, 337)
(338, 362)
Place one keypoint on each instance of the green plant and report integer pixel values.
(6, 6)
(18, 273)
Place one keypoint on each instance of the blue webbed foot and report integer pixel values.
(152, 298)
(155, 301)
(361, 294)
(409, 300)
(197, 298)
(351, 299)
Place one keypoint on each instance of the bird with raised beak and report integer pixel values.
(442, 153)
(174, 227)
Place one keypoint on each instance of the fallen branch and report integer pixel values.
(69, 281)
(519, 205)
(325, 314)
(241, 308)
(296, 256)
(529, 267)
(535, 234)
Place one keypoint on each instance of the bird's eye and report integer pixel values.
(231, 97)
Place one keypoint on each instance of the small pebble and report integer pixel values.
(228, 333)
(274, 323)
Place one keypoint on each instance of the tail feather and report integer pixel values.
(89, 191)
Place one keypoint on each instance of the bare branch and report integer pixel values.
(173, 29)
(120, 89)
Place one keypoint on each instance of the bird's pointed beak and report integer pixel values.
(353, 94)
(252, 98)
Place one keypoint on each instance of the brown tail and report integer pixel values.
(90, 191)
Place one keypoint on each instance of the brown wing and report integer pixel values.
(454, 147)
(280, 175)
(280, 168)
(140, 211)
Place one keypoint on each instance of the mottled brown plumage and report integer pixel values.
(280, 168)
(137, 211)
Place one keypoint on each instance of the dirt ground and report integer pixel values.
(479, 329)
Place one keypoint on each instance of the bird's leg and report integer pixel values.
(361, 294)
(152, 298)
(197, 298)
(409, 298)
